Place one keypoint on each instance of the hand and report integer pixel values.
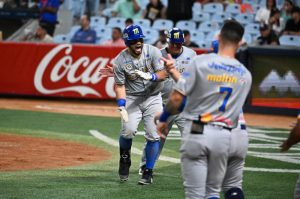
(145, 76)
(124, 114)
(169, 63)
(162, 129)
(107, 72)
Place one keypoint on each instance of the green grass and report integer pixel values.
(100, 179)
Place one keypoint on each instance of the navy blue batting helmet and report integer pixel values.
(175, 35)
(132, 32)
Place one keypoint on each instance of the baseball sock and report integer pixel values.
(152, 150)
(125, 144)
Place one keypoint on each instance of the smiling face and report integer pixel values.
(135, 47)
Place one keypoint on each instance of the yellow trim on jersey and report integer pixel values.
(221, 78)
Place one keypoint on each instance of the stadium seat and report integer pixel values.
(197, 35)
(208, 26)
(143, 4)
(165, 2)
(206, 45)
(233, 9)
(161, 24)
(97, 21)
(262, 2)
(144, 23)
(73, 30)
(151, 35)
(212, 36)
(213, 8)
(200, 17)
(251, 1)
(255, 7)
(107, 12)
(248, 38)
(252, 28)
(186, 25)
(116, 22)
(61, 39)
(220, 17)
(289, 40)
(244, 18)
(103, 32)
(197, 7)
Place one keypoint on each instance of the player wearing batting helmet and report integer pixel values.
(182, 57)
(138, 74)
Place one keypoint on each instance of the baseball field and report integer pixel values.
(70, 150)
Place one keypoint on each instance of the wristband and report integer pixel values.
(121, 102)
(154, 77)
(164, 116)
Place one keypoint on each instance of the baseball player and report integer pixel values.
(294, 138)
(212, 91)
(182, 57)
(233, 179)
(138, 73)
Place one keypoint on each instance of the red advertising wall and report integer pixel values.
(63, 70)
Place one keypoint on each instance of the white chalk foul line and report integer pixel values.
(134, 150)
(137, 151)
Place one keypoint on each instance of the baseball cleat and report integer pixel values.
(147, 177)
(124, 166)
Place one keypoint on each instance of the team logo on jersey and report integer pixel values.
(222, 78)
(136, 31)
(128, 66)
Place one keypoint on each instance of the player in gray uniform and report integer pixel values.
(214, 88)
(138, 73)
(182, 57)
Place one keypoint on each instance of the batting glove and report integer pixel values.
(146, 76)
(124, 114)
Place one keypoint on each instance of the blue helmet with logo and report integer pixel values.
(132, 32)
(175, 35)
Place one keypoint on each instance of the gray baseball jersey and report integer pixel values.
(181, 63)
(149, 61)
(216, 88)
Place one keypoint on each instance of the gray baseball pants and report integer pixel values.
(212, 161)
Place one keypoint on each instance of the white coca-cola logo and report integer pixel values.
(67, 67)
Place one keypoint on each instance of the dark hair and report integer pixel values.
(296, 9)
(273, 12)
(118, 29)
(43, 25)
(129, 20)
(274, 4)
(232, 31)
(290, 2)
(186, 32)
(88, 17)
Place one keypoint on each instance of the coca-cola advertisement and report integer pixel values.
(56, 70)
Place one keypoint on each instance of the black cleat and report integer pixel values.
(124, 166)
(147, 177)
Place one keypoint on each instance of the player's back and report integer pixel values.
(216, 89)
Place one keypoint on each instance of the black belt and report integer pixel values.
(198, 126)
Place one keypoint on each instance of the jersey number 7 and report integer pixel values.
(227, 91)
